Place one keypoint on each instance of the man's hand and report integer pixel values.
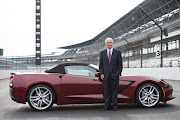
(102, 76)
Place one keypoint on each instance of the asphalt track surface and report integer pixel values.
(10, 110)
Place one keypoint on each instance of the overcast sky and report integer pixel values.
(63, 22)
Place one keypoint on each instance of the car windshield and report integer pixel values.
(94, 66)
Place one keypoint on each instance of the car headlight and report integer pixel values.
(164, 82)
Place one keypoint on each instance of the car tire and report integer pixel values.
(40, 97)
(148, 95)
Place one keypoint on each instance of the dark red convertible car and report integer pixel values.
(80, 83)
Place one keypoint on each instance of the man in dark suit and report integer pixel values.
(110, 66)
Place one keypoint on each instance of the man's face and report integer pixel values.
(109, 43)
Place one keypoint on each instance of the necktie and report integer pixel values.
(109, 56)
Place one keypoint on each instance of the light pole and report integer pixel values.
(6, 59)
(165, 33)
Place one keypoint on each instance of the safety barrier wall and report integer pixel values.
(171, 73)
(7, 73)
(163, 73)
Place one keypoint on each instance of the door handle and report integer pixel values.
(60, 76)
(95, 80)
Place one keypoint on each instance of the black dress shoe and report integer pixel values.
(115, 109)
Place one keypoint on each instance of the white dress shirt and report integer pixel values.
(111, 50)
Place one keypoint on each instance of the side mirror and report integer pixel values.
(97, 74)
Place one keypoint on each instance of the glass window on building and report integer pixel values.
(145, 51)
(169, 45)
(156, 47)
(164, 47)
(123, 54)
(173, 45)
(150, 49)
(130, 53)
(177, 44)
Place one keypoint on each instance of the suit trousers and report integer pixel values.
(110, 87)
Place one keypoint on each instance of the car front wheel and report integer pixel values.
(148, 95)
(40, 97)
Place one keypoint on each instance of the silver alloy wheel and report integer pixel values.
(149, 95)
(41, 98)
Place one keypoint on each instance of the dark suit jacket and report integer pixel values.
(114, 68)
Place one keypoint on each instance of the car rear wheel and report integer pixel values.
(148, 95)
(40, 97)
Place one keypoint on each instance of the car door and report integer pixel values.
(80, 85)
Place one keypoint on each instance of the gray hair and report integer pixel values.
(108, 39)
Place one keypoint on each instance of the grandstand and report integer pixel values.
(5, 63)
(135, 34)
